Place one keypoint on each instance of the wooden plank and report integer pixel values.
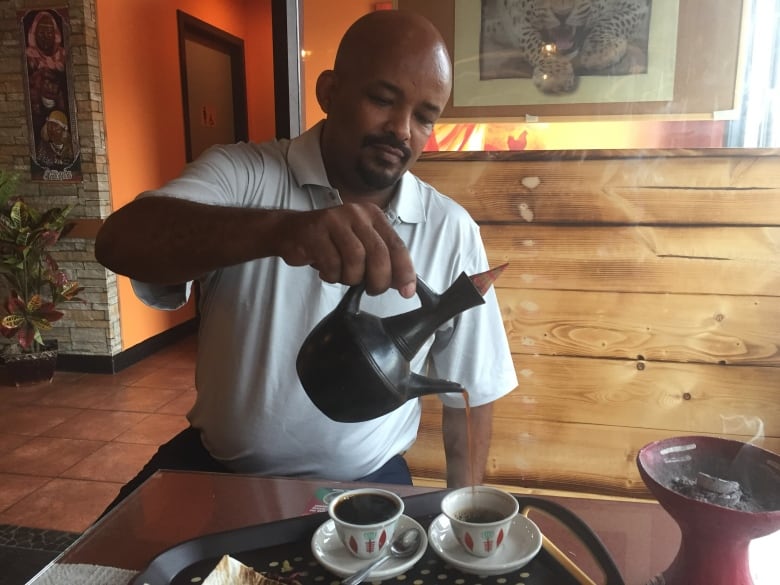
(674, 191)
(663, 396)
(657, 396)
(724, 261)
(574, 457)
(715, 329)
(565, 456)
(635, 154)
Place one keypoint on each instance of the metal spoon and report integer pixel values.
(404, 545)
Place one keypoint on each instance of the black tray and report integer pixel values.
(287, 543)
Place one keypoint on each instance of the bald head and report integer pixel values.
(390, 83)
(389, 36)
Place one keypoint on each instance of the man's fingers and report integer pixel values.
(351, 249)
(376, 266)
(401, 273)
(350, 244)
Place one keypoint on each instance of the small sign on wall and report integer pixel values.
(51, 106)
(208, 116)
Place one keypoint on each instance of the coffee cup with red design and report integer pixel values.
(480, 517)
(365, 520)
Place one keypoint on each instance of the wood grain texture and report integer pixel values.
(686, 260)
(677, 191)
(656, 396)
(565, 456)
(641, 301)
(715, 329)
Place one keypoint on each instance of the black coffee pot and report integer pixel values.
(355, 366)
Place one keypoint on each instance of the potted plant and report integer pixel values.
(36, 286)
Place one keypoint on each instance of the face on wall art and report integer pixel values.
(51, 109)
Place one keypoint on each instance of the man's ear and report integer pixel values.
(326, 84)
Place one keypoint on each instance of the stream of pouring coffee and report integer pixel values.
(482, 282)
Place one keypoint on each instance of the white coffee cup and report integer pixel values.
(480, 517)
(365, 519)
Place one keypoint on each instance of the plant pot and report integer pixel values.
(25, 369)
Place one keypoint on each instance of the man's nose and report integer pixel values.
(399, 124)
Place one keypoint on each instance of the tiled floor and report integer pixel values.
(67, 447)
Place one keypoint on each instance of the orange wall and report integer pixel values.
(143, 107)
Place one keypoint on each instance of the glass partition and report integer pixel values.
(638, 209)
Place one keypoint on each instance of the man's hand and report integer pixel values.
(349, 244)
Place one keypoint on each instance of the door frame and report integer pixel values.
(285, 19)
(194, 29)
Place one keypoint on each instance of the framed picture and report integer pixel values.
(676, 65)
(51, 106)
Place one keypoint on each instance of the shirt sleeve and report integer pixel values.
(223, 175)
(160, 296)
(219, 176)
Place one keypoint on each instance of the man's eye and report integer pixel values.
(382, 101)
(425, 121)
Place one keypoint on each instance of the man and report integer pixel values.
(249, 222)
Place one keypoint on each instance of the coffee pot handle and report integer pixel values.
(351, 301)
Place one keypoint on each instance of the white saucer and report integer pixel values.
(331, 554)
(522, 542)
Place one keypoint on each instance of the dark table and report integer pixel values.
(173, 507)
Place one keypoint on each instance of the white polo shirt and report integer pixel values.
(253, 414)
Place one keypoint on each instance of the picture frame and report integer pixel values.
(694, 68)
(54, 147)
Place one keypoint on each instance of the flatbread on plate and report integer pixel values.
(229, 571)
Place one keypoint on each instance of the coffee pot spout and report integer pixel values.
(416, 385)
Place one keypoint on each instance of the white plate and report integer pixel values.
(331, 553)
(522, 542)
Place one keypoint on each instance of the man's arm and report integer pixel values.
(164, 240)
(456, 448)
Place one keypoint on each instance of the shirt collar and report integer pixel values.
(407, 205)
(305, 159)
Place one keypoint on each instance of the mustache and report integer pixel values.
(388, 140)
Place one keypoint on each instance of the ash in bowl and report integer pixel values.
(715, 490)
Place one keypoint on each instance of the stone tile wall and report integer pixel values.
(91, 327)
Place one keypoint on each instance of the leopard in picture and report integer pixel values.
(559, 40)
